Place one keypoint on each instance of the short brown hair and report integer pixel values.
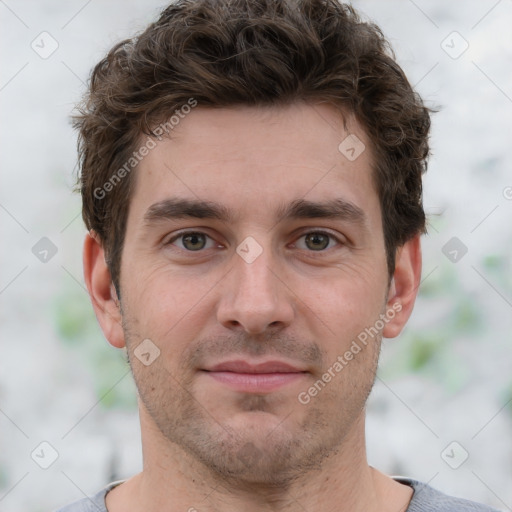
(225, 53)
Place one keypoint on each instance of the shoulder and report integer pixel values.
(428, 499)
(94, 503)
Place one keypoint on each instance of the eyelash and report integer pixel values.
(185, 233)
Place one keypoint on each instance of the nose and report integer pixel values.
(254, 297)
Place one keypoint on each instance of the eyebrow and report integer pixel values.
(180, 208)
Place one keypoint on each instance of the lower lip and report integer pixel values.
(255, 382)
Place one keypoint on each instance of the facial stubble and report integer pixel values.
(305, 436)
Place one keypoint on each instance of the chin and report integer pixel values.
(256, 450)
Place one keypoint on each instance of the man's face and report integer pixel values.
(250, 310)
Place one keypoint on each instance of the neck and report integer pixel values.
(171, 476)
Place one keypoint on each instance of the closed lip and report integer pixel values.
(241, 366)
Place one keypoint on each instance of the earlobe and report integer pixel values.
(404, 287)
(102, 291)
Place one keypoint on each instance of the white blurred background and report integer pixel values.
(446, 380)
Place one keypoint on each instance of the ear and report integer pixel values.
(404, 287)
(102, 291)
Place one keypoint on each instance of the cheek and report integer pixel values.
(342, 309)
(165, 302)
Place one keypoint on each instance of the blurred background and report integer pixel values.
(441, 410)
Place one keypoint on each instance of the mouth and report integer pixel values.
(247, 377)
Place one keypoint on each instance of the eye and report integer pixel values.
(318, 240)
(192, 241)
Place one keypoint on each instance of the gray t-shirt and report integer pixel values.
(424, 499)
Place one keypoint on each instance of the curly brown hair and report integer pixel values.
(223, 53)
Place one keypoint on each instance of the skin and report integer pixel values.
(303, 300)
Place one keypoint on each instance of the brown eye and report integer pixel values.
(317, 241)
(194, 241)
(191, 241)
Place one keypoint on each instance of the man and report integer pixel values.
(251, 182)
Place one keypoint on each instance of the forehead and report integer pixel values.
(257, 160)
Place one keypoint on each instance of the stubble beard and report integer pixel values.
(251, 457)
